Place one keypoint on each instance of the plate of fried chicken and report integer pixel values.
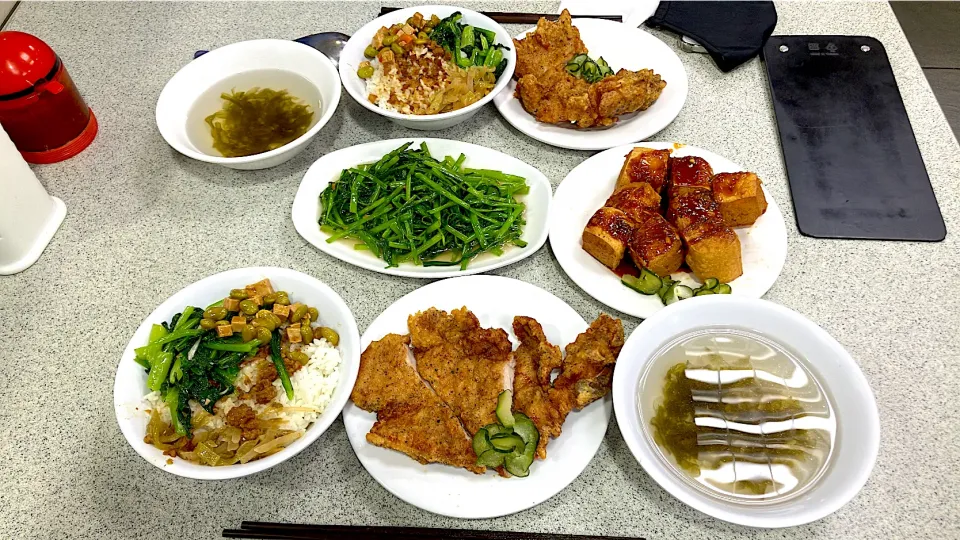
(434, 367)
(675, 211)
(641, 86)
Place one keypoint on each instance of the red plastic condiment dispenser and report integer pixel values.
(40, 107)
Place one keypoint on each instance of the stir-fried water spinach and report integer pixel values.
(412, 207)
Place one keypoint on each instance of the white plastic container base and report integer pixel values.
(29, 217)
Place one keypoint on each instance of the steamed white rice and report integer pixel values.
(313, 387)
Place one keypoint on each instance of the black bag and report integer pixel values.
(732, 32)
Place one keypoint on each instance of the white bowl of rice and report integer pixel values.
(383, 84)
(321, 387)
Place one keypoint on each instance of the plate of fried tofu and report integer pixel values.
(675, 210)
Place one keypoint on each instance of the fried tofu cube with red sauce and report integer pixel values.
(692, 208)
(232, 304)
(740, 198)
(281, 311)
(293, 333)
(713, 251)
(656, 245)
(238, 322)
(645, 165)
(689, 174)
(635, 200)
(606, 236)
(224, 330)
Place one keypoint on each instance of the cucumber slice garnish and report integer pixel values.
(508, 443)
(518, 464)
(651, 282)
(682, 292)
(496, 429)
(710, 283)
(481, 442)
(525, 428)
(491, 458)
(504, 404)
(723, 288)
(703, 292)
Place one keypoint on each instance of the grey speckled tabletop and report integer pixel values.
(139, 227)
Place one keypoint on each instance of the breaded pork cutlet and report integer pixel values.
(465, 364)
(410, 417)
(534, 356)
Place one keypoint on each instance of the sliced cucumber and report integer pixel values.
(703, 292)
(525, 428)
(710, 283)
(481, 442)
(573, 68)
(634, 283)
(491, 458)
(508, 443)
(665, 285)
(723, 288)
(504, 404)
(682, 292)
(496, 429)
(518, 464)
(651, 281)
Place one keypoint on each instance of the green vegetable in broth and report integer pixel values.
(257, 120)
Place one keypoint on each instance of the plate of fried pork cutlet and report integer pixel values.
(481, 396)
(642, 226)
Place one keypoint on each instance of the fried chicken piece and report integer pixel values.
(627, 92)
(553, 96)
(562, 98)
(464, 363)
(588, 366)
(549, 47)
(410, 417)
(530, 392)
(428, 432)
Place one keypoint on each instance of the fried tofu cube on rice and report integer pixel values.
(740, 198)
(606, 235)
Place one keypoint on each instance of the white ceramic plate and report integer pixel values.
(456, 492)
(306, 205)
(584, 190)
(131, 381)
(858, 423)
(621, 46)
(352, 55)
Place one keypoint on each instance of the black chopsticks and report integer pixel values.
(510, 17)
(293, 531)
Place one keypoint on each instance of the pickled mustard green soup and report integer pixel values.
(740, 416)
(256, 121)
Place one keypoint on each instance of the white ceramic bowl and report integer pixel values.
(858, 425)
(130, 384)
(193, 79)
(352, 55)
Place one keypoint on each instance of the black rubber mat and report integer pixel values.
(851, 156)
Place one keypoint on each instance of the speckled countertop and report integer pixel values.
(140, 226)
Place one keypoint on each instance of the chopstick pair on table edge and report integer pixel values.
(510, 17)
(293, 531)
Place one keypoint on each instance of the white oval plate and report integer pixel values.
(621, 46)
(456, 492)
(130, 384)
(306, 205)
(858, 422)
(587, 187)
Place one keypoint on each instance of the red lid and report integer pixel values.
(24, 60)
